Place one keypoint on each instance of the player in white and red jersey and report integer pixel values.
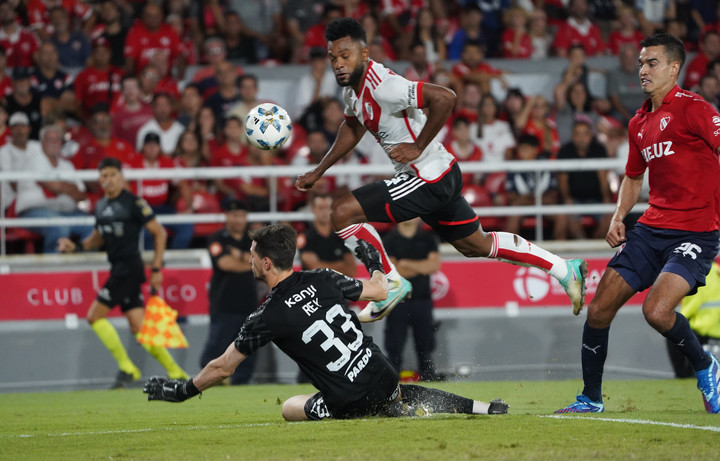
(427, 180)
(675, 136)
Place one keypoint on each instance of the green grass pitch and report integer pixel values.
(647, 420)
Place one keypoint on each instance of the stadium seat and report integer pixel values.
(19, 237)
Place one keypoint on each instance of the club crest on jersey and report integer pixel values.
(369, 110)
(716, 120)
(664, 123)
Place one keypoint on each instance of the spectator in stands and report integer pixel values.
(314, 37)
(535, 120)
(112, 28)
(103, 143)
(233, 152)
(166, 83)
(333, 116)
(318, 83)
(19, 42)
(420, 69)
(577, 69)
(468, 104)
(573, 103)
(151, 36)
(25, 99)
(257, 188)
(709, 51)
(623, 85)
(627, 32)
(99, 81)
(470, 30)
(228, 94)
(516, 41)
(473, 68)
(709, 89)
(264, 24)
(652, 14)
(188, 50)
(163, 124)
(583, 187)
(522, 186)
(149, 78)
(14, 154)
(374, 38)
(193, 193)
(5, 82)
(578, 30)
(493, 135)
(208, 132)
(190, 103)
(232, 291)
(73, 47)
(248, 91)
(315, 148)
(678, 28)
(427, 33)
(300, 16)
(132, 113)
(158, 194)
(540, 35)
(711, 20)
(215, 54)
(240, 47)
(52, 84)
(415, 255)
(512, 107)
(39, 12)
(461, 146)
(51, 199)
(4, 128)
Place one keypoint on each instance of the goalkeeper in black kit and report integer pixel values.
(304, 315)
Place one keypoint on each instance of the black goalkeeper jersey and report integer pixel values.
(305, 317)
(120, 221)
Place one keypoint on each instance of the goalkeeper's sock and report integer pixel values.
(435, 399)
(166, 360)
(516, 250)
(110, 338)
(365, 231)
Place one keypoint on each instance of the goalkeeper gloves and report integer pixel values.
(370, 256)
(169, 390)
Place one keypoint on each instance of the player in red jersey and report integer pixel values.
(427, 182)
(675, 136)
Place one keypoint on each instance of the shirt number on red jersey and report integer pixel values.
(323, 326)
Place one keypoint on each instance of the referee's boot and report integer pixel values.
(374, 311)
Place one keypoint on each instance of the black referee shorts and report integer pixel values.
(440, 203)
(124, 290)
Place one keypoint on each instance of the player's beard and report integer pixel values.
(354, 77)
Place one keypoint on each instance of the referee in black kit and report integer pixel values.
(233, 290)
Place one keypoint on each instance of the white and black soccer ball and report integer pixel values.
(268, 126)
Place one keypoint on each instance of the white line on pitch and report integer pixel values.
(636, 421)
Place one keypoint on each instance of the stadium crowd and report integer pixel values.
(109, 78)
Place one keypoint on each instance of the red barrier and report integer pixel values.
(459, 284)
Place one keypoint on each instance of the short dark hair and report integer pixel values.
(674, 48)
(108, 162)
(345, 27)
(277, 242)
(529, 139)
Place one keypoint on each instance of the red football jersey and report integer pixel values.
(89, 155)
(141, 44)
(39, 17)
(508, 39)
(19, 47)
(154, 191)
(678, 145)
(93, 86)
(617, 40)
(590, 37)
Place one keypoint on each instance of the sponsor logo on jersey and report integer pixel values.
(657, 150)
(360, 365)
(301, 297)
(369, 110)
(664, 123)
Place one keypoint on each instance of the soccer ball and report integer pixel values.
(268, 126)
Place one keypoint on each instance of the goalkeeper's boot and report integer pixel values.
(397, 291)
(123, 379)
(498, 407)
(574, 283)
(583, 405)
(708, 381)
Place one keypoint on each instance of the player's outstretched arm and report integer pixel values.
(440, 102)
(627, 198)
(349, 134)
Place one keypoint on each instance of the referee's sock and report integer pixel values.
(166, 360)
(110, 338)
